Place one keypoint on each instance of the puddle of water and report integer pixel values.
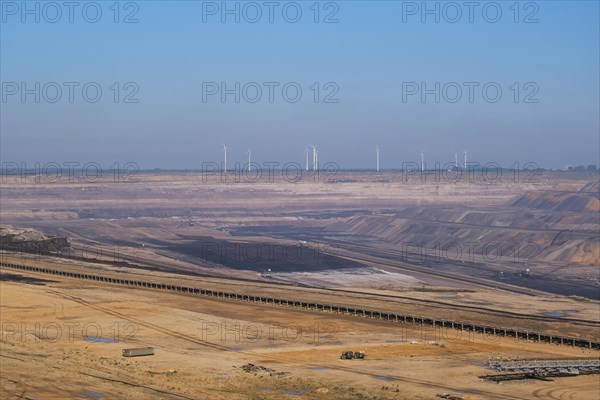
(235, 348)
(395, 341)
(559, 313)
(383, 378)
(296, 392)
(98, 339)
(554, 314)
(91, 395)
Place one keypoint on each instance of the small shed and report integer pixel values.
(139, 351)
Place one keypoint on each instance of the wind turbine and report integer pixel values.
(422, 160)
(249, 154)
(315, 158)
(225, 157)
(377, 151)
(306, 154)
(456, 160)
(465, 166)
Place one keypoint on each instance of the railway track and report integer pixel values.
(333, 308)
(147, 264)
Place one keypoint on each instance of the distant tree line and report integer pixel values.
(590, 167)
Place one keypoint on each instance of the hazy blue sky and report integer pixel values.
(375, 56)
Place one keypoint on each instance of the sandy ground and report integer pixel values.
(48, 351)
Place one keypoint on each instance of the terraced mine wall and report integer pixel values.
(358, 312)
(41, 246)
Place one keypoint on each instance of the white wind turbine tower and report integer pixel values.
(306, 154)
(315, 157)
(465, 165)
(456, 160)
(377, 152)
(224, 158)
(249, 154)
(422, 160)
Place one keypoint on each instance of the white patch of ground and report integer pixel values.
(365, 277)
